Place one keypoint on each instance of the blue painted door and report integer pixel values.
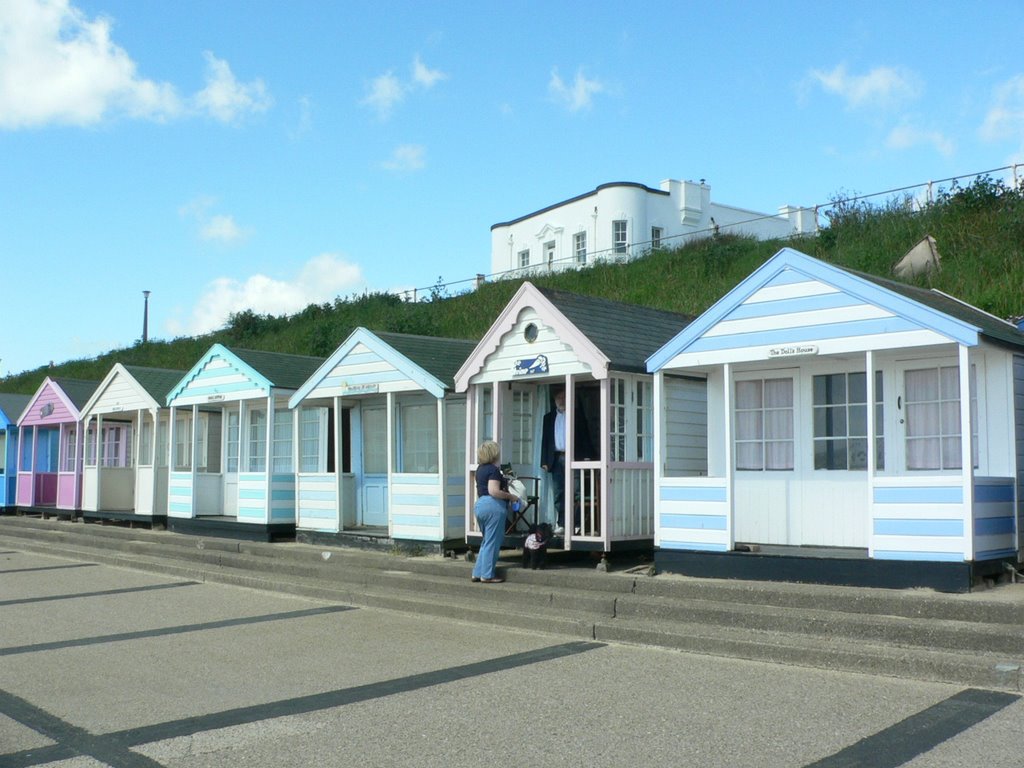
(374, 443)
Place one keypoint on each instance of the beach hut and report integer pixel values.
(11, 407)
(860, 431)
(231, 463)
(594, 349)
(126, 424)
(50, 447)
(381, 441)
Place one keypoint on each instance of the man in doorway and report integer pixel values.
(552, 449)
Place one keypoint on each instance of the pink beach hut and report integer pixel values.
(50, 447)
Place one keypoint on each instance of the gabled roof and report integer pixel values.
(12, 406)
(904, 308)
(606, 335)
(154, 383)
(430, 361)
(280, 369)
(78, 391)
(157, 382)
(626, 333)
(263, 370)
(440, 357)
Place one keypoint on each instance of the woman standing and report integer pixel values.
(491, 511)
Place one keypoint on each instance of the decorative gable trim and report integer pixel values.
(239, 380)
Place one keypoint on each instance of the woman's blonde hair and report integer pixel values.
(488, 452)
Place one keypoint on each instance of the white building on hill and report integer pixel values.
(624, 219)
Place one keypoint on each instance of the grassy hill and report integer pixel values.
(979, 230)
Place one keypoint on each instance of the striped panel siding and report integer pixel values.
(693, 494)
(693, 515)
(252, 496)
(416, 507)
(924, 521)
(902, 527)
(995, 523)
(179, 495)
(372, 377)
(793, 306)
(317, 503)
(282, 497)
(803, 333)
(923, 494)
(940, 557)
(455, 507)
(695, 522)
(774, 321)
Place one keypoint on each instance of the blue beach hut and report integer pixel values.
(11, 407)
(382, 442)
(231, 444)
(857, 430)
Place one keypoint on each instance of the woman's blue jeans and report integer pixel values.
(490, 517)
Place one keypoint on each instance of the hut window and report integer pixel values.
(257, 441)
(522, 426)
(617, 434)
(25, 461)
(417, 437)
(115, 447)
(70, 450)
(182, 442)
(841, 421)
(454, 436)
(933, 418)
(161, 443)
(312, 439)
(282, 441)
(3, 453)
(232, 442)
(375, 446)
(764, 424)
(208, 457)
(485, 422)
(644, 421)
(145, 441)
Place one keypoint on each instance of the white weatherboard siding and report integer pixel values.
(561, 358)
(218, 380)
(363, 367)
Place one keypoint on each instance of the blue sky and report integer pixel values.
(229, 155)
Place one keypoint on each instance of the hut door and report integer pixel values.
(374, 492)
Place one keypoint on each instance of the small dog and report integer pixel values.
(535, 549)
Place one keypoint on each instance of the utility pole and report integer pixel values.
(145, 317)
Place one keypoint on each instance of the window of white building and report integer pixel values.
(619, 232)
(656, 234)
(579, 247)
(549, 252)
(524, 258)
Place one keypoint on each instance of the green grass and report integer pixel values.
(979, 230)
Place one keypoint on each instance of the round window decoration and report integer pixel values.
(530, 333)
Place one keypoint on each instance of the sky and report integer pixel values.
(248, 154)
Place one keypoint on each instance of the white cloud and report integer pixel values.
(1005, 119)
(407, 157)
(226, 99)
(320, 279)
(907, 137)
(579, 95)
(222, 229)
(385, 92)
(213, 227)
(881, 87)
(58, 66)
(423, 75)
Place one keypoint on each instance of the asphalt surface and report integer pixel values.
(104, 666)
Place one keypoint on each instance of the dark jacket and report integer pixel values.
(582, 448)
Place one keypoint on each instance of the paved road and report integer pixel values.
(103, 666)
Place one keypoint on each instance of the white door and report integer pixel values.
(374, 444)
(231, 443)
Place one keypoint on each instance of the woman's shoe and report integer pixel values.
(475, 578)
(495, 580)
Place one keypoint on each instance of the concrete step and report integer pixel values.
(966, 639)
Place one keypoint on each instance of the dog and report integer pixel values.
(535, 549)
